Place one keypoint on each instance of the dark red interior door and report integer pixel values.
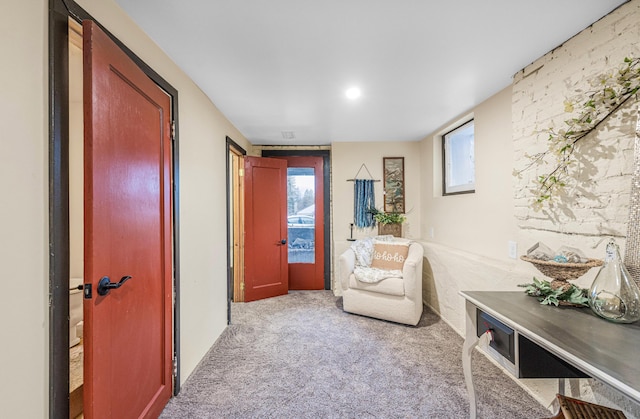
(265, 228)
(128, 357)
(305, 222)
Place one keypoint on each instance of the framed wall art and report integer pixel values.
(393, 169)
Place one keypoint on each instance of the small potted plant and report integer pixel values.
(388, 222)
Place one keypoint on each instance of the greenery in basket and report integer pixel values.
(547, 295)
(387, 217)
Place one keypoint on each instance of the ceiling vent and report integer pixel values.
(288, 135)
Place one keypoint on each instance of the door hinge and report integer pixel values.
(240, 172)
(173, 130)
(242, 286)
(175, 367)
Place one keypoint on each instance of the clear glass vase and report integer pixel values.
(614, 295)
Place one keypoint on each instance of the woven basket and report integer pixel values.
(577, 409)
(562, 271)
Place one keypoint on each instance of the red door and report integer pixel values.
(265, 228)
(305, 222)
(127, 371)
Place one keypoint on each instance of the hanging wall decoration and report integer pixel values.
(393, 184)
(364, 199)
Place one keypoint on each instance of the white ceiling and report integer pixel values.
(284, 65)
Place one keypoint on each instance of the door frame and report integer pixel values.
(59, 13)
(232, 147)
(326, 167)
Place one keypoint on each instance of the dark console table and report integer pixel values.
(531, 340)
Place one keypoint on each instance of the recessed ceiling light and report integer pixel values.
(353, 93)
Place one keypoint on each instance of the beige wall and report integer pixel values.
(346, 159)
(469, 246)
(203, 130)
(76, 163)
(468, 249)
(480, 222)
(24, 210)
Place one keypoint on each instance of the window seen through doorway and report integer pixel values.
(301, 214)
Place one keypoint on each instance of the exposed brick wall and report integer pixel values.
(597, 205)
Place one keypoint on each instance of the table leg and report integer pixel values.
(470, 343)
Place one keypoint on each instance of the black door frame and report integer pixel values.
(230, 144)
(59, 13)
(326, 164)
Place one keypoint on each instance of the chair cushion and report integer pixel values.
(374, 274)
(363, 248)
(390, 286)
(389, 255)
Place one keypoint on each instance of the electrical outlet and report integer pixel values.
(513, 249)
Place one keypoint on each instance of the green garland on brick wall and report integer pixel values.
(609, 91)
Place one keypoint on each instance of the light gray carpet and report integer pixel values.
(301, 356)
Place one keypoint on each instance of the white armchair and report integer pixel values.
(395, 299)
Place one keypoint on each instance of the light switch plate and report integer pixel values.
(513, 249)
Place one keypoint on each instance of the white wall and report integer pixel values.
(24, 208)
(469, 248)
(596, 205)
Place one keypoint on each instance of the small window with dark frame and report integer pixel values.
(458, 158)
